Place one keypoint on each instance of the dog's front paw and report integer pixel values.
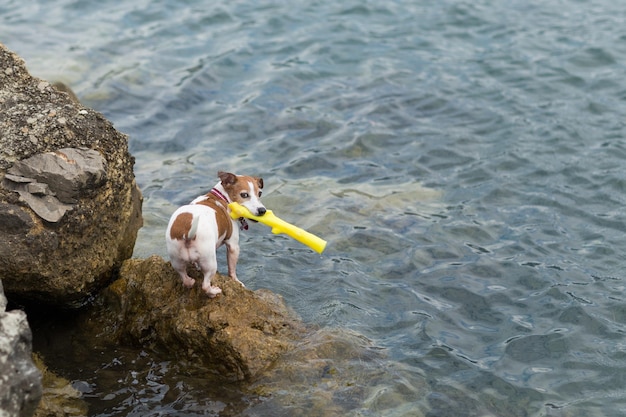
(234, 277)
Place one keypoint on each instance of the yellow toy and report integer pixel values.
(279, 226)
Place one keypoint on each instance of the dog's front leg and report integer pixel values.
(232, 256)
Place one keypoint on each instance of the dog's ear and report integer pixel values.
(259, 181)
(227, 178)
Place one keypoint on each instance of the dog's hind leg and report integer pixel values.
(181, 268)
(210, 290)
(209, 269)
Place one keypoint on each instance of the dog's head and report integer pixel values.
(244, 190)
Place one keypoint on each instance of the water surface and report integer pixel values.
(463, 159)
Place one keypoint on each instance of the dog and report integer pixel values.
(196, 230)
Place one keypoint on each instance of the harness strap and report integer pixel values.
(242, 221)
(218, 194)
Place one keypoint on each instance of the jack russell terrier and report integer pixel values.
(196, 230)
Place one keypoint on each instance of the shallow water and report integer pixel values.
(463, 159)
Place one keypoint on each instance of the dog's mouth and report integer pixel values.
(259, 212)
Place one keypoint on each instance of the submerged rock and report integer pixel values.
(20, 381)
(69, 205)
(238, 334)
(59, 397)
(334, 372)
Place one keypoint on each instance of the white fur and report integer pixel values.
(199, 251)
(254, 204)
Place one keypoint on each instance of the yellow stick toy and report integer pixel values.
(279, 226)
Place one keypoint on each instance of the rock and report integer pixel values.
(250, 337)
(238, 334)
(59, 397)
(20, 381)
(69, 205)
(61, 86)
(50, 182)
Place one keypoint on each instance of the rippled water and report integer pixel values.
(463, 159)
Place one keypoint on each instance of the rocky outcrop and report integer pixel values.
(69, 206)
(20, 381)
(238, 334)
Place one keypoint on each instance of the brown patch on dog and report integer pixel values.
(227, 178)
(235, 184)
(181, 226)
(222, 218)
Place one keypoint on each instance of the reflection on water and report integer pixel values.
(463, 160)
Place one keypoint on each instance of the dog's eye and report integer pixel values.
(244, 195)
(260, 192)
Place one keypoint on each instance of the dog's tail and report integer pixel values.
(191, 235)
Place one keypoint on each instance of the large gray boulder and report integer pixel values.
(69, 205)
(20, 381)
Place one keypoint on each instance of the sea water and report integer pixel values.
(464, 160)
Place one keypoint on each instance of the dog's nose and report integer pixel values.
(261, 211)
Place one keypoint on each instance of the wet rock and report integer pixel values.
(238, 334)
(69, 206)
(59, 398)
(20, 381)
